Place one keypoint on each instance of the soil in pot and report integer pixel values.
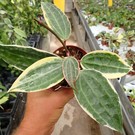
(75, 51)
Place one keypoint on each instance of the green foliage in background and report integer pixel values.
(121, 14)
(17, 20)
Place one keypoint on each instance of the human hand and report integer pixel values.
(43, 109)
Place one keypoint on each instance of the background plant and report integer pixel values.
(131, 95)
(121, 14)
(17, 20)
(8, 74)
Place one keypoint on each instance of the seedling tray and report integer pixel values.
(10, 120)
(5, 125)
(34, 40)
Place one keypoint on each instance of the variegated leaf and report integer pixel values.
(21, 57)
(41, 75)
(70, 70)
(110, 64)
(56, 20)
(98, 98)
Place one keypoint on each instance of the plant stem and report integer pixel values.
(45, 26)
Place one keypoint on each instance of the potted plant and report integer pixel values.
(130, 55)
(87, 74)
(131, 96)
(130, 36)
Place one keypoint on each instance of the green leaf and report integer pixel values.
(2, 93)
(3, 100)
(21, 57)
(3, 97)
(98, 99)
(56, 20)
(33, 2)
(2, 64)
(7, 21)
(110, 64)
(41, 75)
(70, 70)
(2, 87)
(21, 41)
(20, 32)
(2, 12)
(13, 95)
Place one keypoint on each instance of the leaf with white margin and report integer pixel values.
(98, 99)
(41, 75)
(22, 57)
(56, 20)
(110, 64)
(70, 70)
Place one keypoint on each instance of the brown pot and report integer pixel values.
(75, 51)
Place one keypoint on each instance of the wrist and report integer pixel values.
(27, 127)
(34, 124)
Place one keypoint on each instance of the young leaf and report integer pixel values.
(56, 20)
(21, 57)
(110, 64)
(70, 70)
(98, 98)
(41, 75)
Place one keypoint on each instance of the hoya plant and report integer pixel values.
(87, 74)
